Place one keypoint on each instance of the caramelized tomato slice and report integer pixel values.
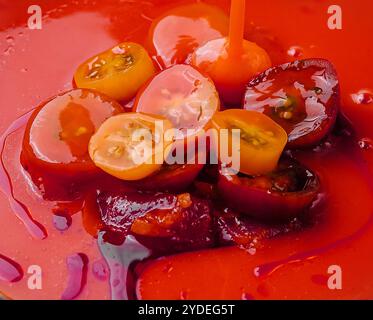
(130, 146)
(177, 33)
(301, 96)
(248, 233)
(162, 222)
(172, 178)
(118, 72)
(261, 140)
(182, 95)
(280, 195)
(57, 134)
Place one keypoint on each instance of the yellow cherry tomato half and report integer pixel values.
(183, 95)
(261, 139)
(118, 72)
(130, 146)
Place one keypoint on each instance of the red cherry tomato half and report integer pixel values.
(172, 178)
(301, 96)
(177, 33)
(182, 95)
(280, 195)
(58, 133)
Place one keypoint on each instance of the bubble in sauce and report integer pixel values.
(9, 39)
(100, 270)
(365, 144)
(9, 50)
(62, 221)
(247, 296)
(183, 295)
(168, 268)
(295, 52)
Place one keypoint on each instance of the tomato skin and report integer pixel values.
(262, 202)
(177, 33)
(172, 178)
(261, 140)
(181, 94)
(302, 96)
(57, 134)
(120, 71)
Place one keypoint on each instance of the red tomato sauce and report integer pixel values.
(38, 64)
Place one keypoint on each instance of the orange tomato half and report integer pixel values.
(118, 72)
(261, 140)
(130, 146)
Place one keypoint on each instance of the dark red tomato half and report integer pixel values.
(248, 233)
(302, 96)
(280, 195)
(58, 133)
(172, 178)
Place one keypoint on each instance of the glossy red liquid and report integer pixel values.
(31, 73)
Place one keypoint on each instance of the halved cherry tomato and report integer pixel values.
(57, 134)
(302, 96)
(130, 146)
(118, 72)
(280, 195)
(231, 72)
(172, 178)
(261, 140)
(182, 95)
(177, 33)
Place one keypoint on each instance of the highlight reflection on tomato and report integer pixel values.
(175, 35)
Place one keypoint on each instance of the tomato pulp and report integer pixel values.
(30, 74)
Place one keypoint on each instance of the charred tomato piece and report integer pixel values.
(302, 96)
(248, 233)
(163, 222)
(280, 195)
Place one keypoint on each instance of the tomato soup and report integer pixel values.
(49, 248)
